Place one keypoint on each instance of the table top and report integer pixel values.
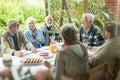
(32, 67)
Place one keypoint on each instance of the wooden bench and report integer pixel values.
(117, 70)
(97, 73)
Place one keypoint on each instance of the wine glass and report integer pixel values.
(85, 42)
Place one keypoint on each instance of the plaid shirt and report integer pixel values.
(93, 36)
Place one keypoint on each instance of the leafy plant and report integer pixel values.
(22, 11)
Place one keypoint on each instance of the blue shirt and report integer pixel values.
(39, 34)
(14, 37)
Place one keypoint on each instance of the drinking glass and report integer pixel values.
(7, 60)
(85, 42)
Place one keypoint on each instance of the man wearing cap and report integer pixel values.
(13, 39)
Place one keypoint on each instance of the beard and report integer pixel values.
(49, 25)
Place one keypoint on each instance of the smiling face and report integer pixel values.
(31, 25)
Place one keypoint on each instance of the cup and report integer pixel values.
(85, 42)
(7, 60)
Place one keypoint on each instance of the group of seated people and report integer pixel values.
(72, 60)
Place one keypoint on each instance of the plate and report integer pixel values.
(46, 55)
(49, 56)
(45, 48)
(31, 60)
(27, 52)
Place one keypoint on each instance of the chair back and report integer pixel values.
(117, 70)
(97, 73)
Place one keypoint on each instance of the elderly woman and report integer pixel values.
(90, 34)
(110, 50)
(12, 40)
(71, 61)
(34, 35)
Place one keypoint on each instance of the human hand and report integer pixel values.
(37, 40)
(65, 78)
(34, 50)
(48, 64)
(18, 53)
(89, 47)
(41, 74)
(5, 72)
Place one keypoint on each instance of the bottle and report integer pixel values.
(52, 45)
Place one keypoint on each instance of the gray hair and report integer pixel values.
(69, 32)
(89, 16)
(11, 22)
(29, 20)
(48, 17)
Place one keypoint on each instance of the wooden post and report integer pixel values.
(67, 10)
(85, 5)
(62, 13)
(46, 7)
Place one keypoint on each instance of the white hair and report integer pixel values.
(89, 16)
(48, 17)
(29, 20)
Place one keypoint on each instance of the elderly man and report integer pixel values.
(110, 50)
(49, 29)
(90, 34)
(13, 39)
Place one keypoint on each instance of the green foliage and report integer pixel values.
(76, 9)
(19, 9)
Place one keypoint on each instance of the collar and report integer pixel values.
(66, 44)
(32, 32)
(12, 34)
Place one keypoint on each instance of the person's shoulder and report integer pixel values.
(81, 29)
(38, 30)
(42, 25)
(5, 34)
(26, 31)
(95, 27)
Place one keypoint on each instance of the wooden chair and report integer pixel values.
(117, 70)
(97, 73)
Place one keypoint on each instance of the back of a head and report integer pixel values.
(113, 28)
(69, 32)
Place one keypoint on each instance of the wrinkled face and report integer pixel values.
(49, 20)
(31, 25)
(14, 27)
(86, 24)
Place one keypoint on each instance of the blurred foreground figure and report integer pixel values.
(110, 50)
(72, 59)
